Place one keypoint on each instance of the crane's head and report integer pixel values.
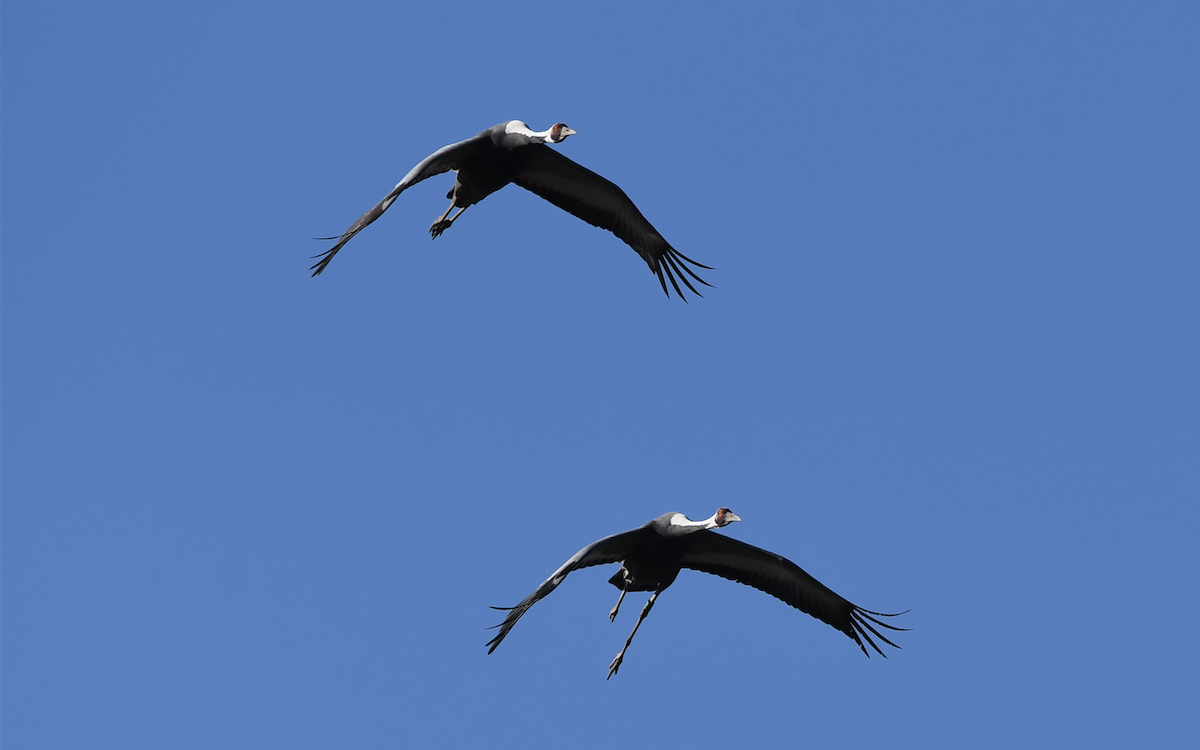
(724, 517)
(559, 133)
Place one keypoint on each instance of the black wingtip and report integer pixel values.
(319, 266)
(662, 281)
(694, 263)
(324, 258)
(664, 274)
(672, 264)
(861, 619)
(867, 613)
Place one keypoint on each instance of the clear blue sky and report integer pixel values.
(951, 363)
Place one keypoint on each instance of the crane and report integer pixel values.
(512, 152)
(653, 554)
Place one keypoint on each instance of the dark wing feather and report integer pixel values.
(610, 549)
(580, 191)
(786, 581)
(442, 160)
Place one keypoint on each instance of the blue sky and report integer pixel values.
(949, 364)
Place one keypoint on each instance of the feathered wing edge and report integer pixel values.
(673, 259)
(783, 579)
(583, 193)
(861, 616)
(610, 549)
(442, 160)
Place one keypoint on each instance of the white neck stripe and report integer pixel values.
(516, 126)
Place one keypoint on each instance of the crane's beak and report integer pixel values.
(731, 517)
(567, 131)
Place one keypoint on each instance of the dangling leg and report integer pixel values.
(612, 616)
(616, 663)
(622, 579)
(442, 224)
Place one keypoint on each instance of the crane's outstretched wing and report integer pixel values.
(442, 160)
(587, 195)
(610, 549)
(784, 580)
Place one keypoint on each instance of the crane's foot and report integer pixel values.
(439, 227)
(612, 613)
(616, 664)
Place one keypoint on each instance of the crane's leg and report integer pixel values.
(442, 224)
(616, 663)
(612, 616)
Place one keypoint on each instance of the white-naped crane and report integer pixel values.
(652, 555)
(511, 152)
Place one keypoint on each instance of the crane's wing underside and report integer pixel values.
(442, 160)
(585, 194)
(783, 579)
(610, 549)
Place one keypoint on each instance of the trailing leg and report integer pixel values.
(616, 663)
(442, 224)
(612, 615)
